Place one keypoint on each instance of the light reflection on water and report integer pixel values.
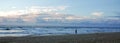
(55, 31)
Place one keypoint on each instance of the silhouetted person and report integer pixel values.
(7, 29)
(75, 31)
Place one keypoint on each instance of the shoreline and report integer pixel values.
(25, 35)
(75, 38)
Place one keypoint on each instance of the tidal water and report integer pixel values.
(53, 31)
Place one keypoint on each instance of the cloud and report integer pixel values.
(35, 14)
(33, 10)
(75, 18)
(38, 9)
(13, 7)
(117, 15)
(97, 14)
(31, 13)
(13, 12)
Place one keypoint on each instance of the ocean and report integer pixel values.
(52, 31)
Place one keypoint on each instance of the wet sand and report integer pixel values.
(79, 38)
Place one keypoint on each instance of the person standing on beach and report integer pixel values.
(75, 31)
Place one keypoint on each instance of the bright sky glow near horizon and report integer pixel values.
(75, 7)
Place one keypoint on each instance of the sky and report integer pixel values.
(75, 7)
(60, 11)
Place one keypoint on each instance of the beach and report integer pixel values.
(112, 37)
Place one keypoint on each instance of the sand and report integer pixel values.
(74, 38)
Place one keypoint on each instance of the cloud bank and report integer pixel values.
(33, 10)
(50, 15)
